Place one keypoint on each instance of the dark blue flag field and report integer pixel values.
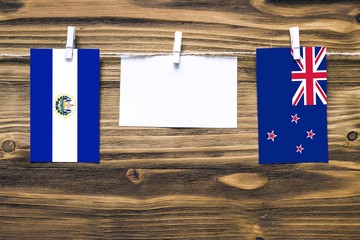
(292, 101)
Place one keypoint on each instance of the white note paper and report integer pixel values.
(200, 92)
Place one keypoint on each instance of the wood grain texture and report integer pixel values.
(166, 183)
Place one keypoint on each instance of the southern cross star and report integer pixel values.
(271, 136)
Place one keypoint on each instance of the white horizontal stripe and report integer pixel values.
(64, 129)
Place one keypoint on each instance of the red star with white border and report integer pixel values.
(294, 118)
(271, 136)
(310, 134)
(299, 149)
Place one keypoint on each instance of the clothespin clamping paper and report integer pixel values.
(177, 47)
(295, 42)
(70, 42)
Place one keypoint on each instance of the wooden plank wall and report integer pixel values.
(180, 183)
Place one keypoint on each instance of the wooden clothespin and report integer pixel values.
(177, 47)
(295, 42)
(70, 42)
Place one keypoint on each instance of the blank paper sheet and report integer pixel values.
(200, 92)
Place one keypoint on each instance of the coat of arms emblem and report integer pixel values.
(65, 105)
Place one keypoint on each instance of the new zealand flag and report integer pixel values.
(292, 105)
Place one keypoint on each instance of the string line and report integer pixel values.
(129, 54)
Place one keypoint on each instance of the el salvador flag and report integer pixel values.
(64, 106)
(292, 118)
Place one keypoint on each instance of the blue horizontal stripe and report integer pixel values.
(41, 105)
(88, 105)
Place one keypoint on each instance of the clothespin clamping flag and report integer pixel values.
(292, 101)
(295, 42)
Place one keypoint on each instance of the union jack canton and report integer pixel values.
(309, 75)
